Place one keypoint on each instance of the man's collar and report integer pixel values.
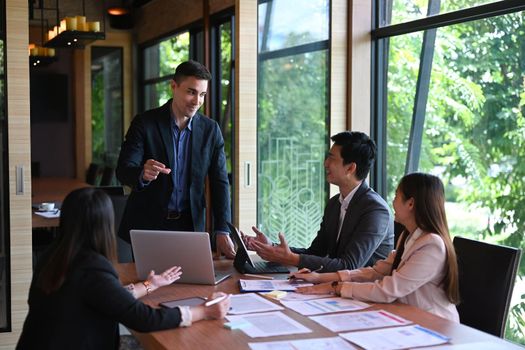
(346, 200)
(173, 119)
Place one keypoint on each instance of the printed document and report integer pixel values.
(395, 338)
(353, 321)
(249, 303)
(334, 343)
(324, 306)
(269, 285)
(269, 324)
(293, 296)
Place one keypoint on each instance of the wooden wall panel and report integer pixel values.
(82, 101)
(360, 25)
(245, 214)
(220, 5)
(339, 118)
(165, 16)
(160, 17)
(17, 30)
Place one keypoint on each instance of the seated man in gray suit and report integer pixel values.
(357, 228)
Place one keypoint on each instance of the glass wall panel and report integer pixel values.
(473, 132)
(107, 100)
(157, 94)
(287, 23)
(292, 129)
(409, 10)
(159, 63)
(226, 93)
(161, 59)
(402, 80)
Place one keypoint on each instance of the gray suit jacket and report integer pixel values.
(150, 136)
(367, 234)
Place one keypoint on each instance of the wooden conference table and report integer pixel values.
(51, 189)
(212, 335)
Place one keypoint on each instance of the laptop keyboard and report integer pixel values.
(266, 267)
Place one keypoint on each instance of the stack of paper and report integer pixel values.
(324, 306)
(250, 303)
(269, 285)
(395, 338)
(360, 320)
(334, 343)
(268, 324)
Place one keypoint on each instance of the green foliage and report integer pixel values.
(474, 130)
(292, 141)
(97, 117)
(225, 119)
(173, 52)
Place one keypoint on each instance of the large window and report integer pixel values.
(161, 59)
(292, 117)
(451, 102)
(107, 109)
(5, 311)
(159, 63)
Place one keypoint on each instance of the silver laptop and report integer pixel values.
(160, 250)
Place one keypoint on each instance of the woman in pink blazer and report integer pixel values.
(423, 271)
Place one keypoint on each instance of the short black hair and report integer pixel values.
(191, 69)
(358, 148)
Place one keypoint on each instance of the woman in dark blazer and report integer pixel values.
(76, 300)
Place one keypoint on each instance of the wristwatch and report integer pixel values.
(335, 284)
(147, 285)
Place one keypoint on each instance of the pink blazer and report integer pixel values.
(417, 280)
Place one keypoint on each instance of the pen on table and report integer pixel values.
(316, 270)
(216, 300)
(258, 276)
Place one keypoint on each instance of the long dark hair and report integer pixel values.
(429, 206)
(86, 223)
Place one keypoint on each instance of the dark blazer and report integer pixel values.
(150, 137)
(85, 312)
(367, 234)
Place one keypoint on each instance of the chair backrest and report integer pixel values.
(92, 173)
(112, 190)
(119, 200)
(486, 280)
(107, 176)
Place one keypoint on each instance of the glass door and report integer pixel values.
(107, 106)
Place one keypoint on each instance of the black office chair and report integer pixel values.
(112, 190)
(92, 173)
(119, 200)
(486, 280)
(107, 176)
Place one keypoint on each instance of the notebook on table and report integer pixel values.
(244, 263)
(160, 250)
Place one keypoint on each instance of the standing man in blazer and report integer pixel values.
(165, 158)
(357, 227)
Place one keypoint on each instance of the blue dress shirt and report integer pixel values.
(180, 197)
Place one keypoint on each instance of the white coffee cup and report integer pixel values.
(46, 206)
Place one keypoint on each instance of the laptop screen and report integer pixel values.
(160, 250)
(242, 255)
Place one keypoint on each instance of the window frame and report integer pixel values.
(380, 54)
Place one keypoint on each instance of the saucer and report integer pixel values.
(45, 210)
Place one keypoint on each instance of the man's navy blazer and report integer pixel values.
(367, 234)
(150, 137)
